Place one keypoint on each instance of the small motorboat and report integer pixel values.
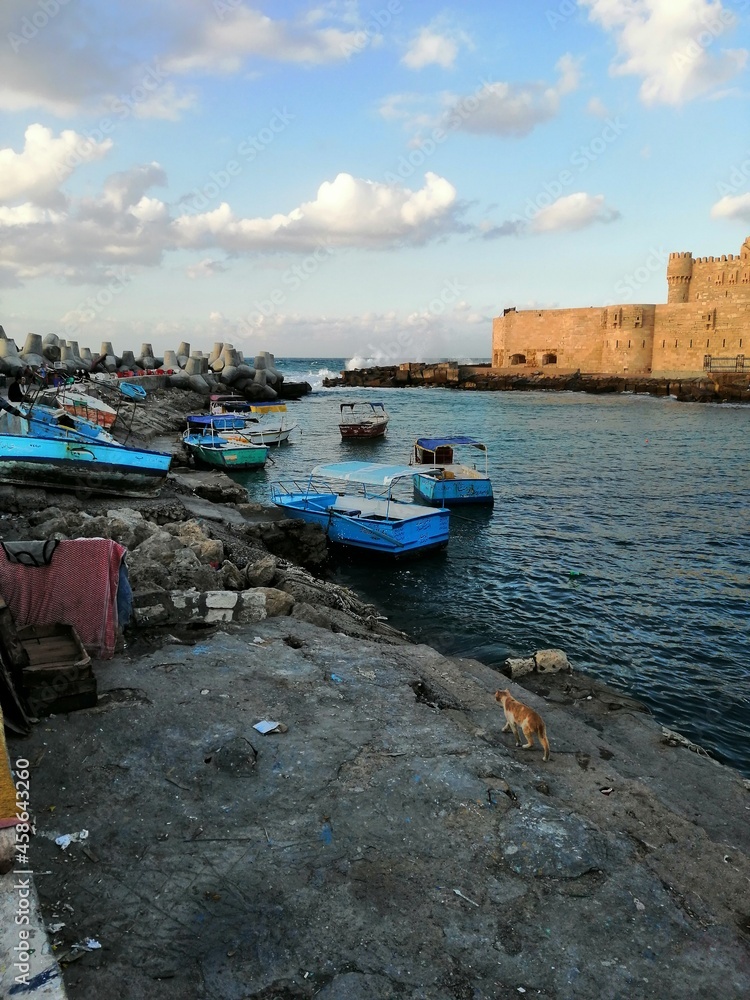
(219, 441)
(265, 423)
(354, 504)
(447, 481)
(362, 421)
(53, 449)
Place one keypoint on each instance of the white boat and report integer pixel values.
(354, 504)
(264, 423)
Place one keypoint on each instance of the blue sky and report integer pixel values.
(375, 180)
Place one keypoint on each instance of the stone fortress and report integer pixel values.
(704, 326)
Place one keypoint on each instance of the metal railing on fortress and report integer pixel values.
(734, 364)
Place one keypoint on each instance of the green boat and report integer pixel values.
(210, 448)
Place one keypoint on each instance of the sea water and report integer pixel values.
(620, 533)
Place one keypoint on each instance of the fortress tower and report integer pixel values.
(679, 275)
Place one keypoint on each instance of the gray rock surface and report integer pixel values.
(392, 844)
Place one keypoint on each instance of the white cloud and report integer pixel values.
(347, 211)
(572, 212)
(567, 214)
(675, 46)
(732, 207)
(126, 225)
(206, 268)
(504, 109)
(222, 44)
(597, 108)
(45, 161)
(430, 48)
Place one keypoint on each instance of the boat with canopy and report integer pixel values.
(440, 479)
(362, 420)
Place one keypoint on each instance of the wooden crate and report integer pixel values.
(59, 677)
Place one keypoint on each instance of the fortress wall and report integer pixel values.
(720, 278)
(628, 338)
(686, 333)
(573, 336)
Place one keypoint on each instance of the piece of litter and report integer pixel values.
(205, 691)
(54, 928)
(639, 905)
(258, 641)
(66, 839)
(91, 943)
(459, 893)
(606, 791)
(520, 989)
(264, 726)
(336, 679)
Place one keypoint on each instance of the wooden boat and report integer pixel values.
(448, 481)
(55, 450)
(207, 442)
(81, 404)
(265, 423)
(363, 420)
(354, 504)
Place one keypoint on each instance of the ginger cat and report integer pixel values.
(520, 716)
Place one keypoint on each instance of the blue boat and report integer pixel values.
(448, 481)
(55, 450)
(354, 504)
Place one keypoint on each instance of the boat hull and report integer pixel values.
(228, 456)
(362, 431)
(81, 466)
(361, 524)
(437, 492)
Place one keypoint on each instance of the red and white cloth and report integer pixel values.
(78, 588)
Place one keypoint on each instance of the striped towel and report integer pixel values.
(78, 588)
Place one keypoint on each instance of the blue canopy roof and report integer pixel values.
(221, 422)
(430, 444)
(369, 473)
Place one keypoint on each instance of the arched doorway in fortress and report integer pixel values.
(517, 359)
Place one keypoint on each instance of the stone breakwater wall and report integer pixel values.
(224, 367)
(708, 388)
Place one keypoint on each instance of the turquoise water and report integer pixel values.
(620, 533)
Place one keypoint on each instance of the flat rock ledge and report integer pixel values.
(388, 842)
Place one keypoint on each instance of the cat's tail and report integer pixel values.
(543, 740)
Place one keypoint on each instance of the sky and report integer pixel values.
(371, 180)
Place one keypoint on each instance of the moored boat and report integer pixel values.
(362, 420)
(52, 449)
(264, 423)
(219, 442)
(447, 481)
(82, 404)
(354, 504)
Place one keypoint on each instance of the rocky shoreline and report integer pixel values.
(707, 388)
(387, 841)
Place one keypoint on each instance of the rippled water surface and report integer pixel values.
(620, 533)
